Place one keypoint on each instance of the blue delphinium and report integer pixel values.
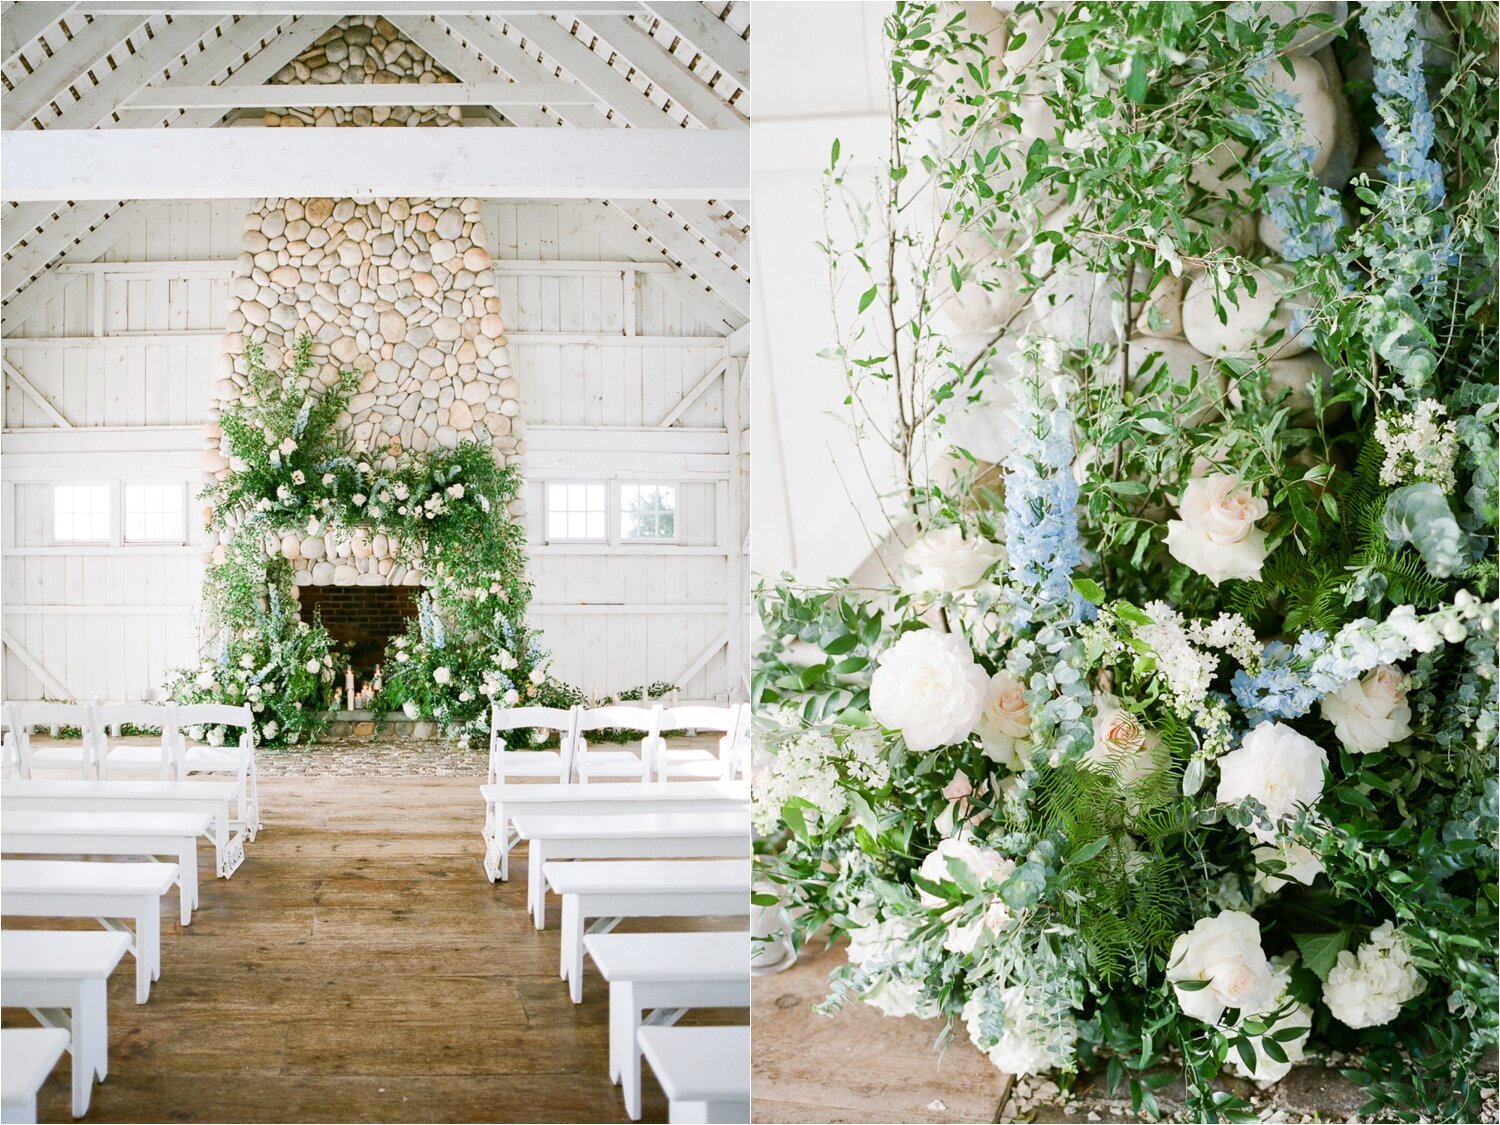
(1406, 130)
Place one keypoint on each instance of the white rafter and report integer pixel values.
(24, 22)
(556, 41)
(51, 77)
(664, 70)
(709, 34)
(683, 245)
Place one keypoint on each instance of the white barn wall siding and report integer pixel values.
(109, 622)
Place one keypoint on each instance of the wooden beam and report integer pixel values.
(684, 246)
(237, 96)
(338, 8)
(30, 390)
(556, 41)
(710, 35)
(24, 22)
(695, 394)
(70, 226)
(51, 78)
(738, 341)
(50, 682)
(667, 72)
(506, 52)
(710, 223)
(509, 163)
(548, 266)
(701, 661)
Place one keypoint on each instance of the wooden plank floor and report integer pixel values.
(358, 967)
(858, 1065)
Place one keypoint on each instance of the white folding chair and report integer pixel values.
(238, 759)
(589, 763)
(697, 764)
(26, 717)
(110, 718)
(506, 764)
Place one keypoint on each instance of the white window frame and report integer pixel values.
(112, 514)
(548, 537)
(178, 540)
(619, 512)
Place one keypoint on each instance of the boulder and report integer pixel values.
(1250, 321)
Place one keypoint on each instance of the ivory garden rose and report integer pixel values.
(1278, 767)
(1370, 714)
(944, 562)
(1216, 533)
(1123, 746)
(1223, 951)
(1005, 724)
(928, 687)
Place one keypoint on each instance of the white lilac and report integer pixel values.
(1419, 445)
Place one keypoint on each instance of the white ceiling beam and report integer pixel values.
(238, 163)
(21, 222)
(463, 63)
(153, 58)
(241, 96)
(712, 224)
(499, 49)
(710, 35)
(55, 238)
(667, 72)
(682, 245)
(556, 41)
(51, 78)
(339, 8)
(24, 22)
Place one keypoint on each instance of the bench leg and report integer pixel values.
(572, 946)
(536, 888)
(147, 949)
(91, 1028)
(629, 1051)
(187, 880)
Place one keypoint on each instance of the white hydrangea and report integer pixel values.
(1020, 1035)
(1419, 446)
(1267, 1069)
(1368, 987)
(883, 951)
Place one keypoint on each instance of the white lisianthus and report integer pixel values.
(1216, 535)
(1005, 724)
(1019, 1035)
(1278, 767)
(1225, 952)
(411, 709)
(441, 674)
(1301, 864)
(511, 697)
(1370, 714)
(1268, 1070)
(1367, 988)
(929, 688)
(1124, 747)
(943, 561)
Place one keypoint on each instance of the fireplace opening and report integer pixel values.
(361, 619)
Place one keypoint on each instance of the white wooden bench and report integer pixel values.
(663, 975)
(503, 801)
(608, 890)
(110, 892)
(113, 833)
(62, 977)
(212, 797)
(625, 836)
(704, 1071)
(27, 1056)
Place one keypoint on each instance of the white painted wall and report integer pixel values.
(110, 621)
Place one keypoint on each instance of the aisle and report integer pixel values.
(357, 968)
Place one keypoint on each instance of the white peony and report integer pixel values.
(1224, 951)
(1301, 864)
(1367, 988)
(537, 675)
(1216, 535)
(1299, 1015)
(1005, 724)
(929, 688)
(1124, 747)
(1020, 1036)
(943, 561)
(441, 674)
(1278, 767)
(1370, 714)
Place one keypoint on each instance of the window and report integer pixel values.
(80, 513)
(154, 513)
(576, 512)
(648, 511)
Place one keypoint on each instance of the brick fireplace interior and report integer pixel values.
(361, 618)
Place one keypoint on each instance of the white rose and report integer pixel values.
(1224, 951)
(1370, 714)
(1124, 747)
(270, 729)
(511, 697)
(1268, 1070)
(929, 688)
(1367, 988)
(1030, 1038)
(1005, 724)
(943, 561)
(441, 675)
(464, 697)
(205, 680)
(1301, 863)
(1216, 535)
(247, 661)
(314, 666)
(288, 447)
(1278, 767)
(537, 675)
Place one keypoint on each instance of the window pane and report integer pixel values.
(154, 513)
(646, 511)
(80, 513)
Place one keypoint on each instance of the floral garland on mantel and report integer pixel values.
(1177, 745)
(294, 475)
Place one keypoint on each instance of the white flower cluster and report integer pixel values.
(1419, 446)
(986, 867)
(1367, 988)
(1229, 632)
(883, 952)
(1189, 670)
(809, 767)
(1297, 1015)
(1021, 1035)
